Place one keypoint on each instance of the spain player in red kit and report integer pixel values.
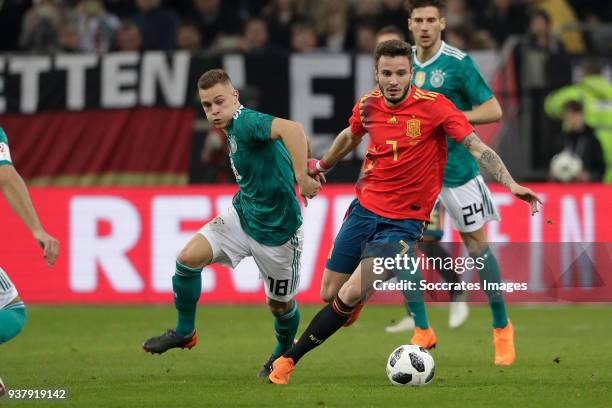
(403, 172)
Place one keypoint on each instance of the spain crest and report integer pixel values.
(413, 128)
(419, 78)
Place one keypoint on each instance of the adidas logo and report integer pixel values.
(392, 120)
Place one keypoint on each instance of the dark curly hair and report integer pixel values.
(393, 48)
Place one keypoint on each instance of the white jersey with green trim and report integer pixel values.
(8, 292)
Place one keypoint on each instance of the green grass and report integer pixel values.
(95, 353)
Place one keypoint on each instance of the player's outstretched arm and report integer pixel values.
(491, 161)
(16, 193)
(295, 140)
(488, 112)
(344, 143)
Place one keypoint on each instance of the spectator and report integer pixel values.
(188, 37)
(580, 146)
(365, 39)
(40, 26)
(216, 20)
(561, 15)
(389, 32)
(331, 22)
(367, 11)
(457, 15)
(394, 13)
(128, 37)
(97, 27)
(68, 37)
(503, 18)
(121, 8)
(362, 12)
(540, 37)
(256, 39)
(303, 38)
(280, 16)
(157, 25)
(594, 91)
(599, 34)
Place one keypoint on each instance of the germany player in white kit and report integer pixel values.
(12, 309)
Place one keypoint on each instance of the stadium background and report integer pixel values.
(105, 125)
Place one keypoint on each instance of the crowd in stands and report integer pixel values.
(283, 26)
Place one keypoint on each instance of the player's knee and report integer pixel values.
(192, 258)
(476, 249)
(277, 307)
(186, 259)
(475, 242)
(328, 293)
(350, 293)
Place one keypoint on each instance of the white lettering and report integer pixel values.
(89, 250)
(30, 69)
(171, 80)
(233, 64)
(166, 215)
(118, 72)
(75, 66)
(306, 106)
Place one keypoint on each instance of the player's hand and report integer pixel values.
(527, 195)
(317, 169)
(49, 245)
(309, 187)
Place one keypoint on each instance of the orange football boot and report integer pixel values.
(425, 338)
(282, 368)
(504, 345)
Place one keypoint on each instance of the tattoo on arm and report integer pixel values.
(488, 159)
(469, 140)
(494, 165)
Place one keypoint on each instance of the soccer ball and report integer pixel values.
(410, 365)
(565, 166)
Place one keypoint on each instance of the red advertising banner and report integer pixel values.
(118, 245)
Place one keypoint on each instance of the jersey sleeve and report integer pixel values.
(258, 126)
(453, 121)
(5, 152)
(355, 122)
(474, 86)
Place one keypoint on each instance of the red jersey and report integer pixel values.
(404, 165)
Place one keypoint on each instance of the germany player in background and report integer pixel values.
(13, 313)
(266, 154)
(442, 68)
(402, 178)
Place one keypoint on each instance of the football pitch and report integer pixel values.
(564, 358)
